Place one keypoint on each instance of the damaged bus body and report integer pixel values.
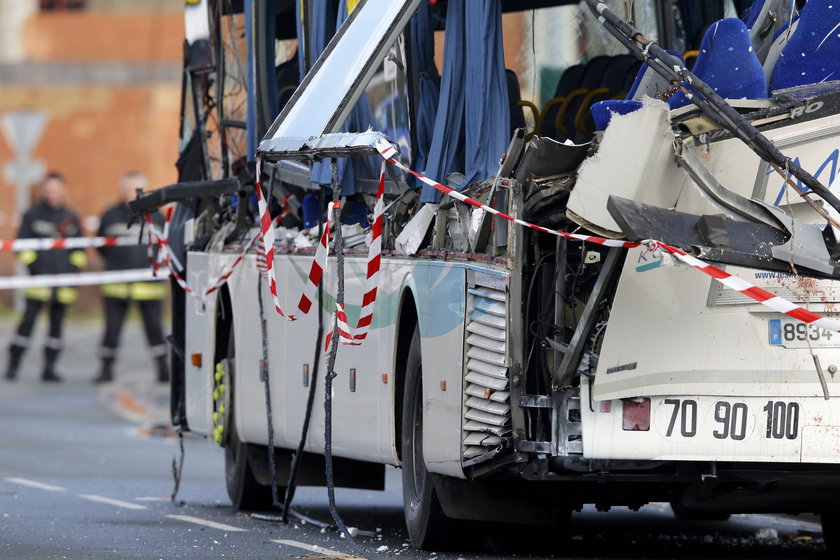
(512, 373)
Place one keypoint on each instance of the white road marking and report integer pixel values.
(35, 484)
(111, 501)
(153, 499)
(211, 524)
(314, 548)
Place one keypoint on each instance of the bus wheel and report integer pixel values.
(831, 530)
(428, 528)
(242, 488)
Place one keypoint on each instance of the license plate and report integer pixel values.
(729, 419)
(789, 333)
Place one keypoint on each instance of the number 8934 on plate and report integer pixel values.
(790, 333)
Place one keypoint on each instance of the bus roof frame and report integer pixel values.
(324, 99)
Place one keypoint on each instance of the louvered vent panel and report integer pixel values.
(487, 401)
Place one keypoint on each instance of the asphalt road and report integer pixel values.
(86, 473)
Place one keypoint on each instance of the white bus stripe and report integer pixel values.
(111, 501)
(315, 548)
(206, 523)
(35, 484)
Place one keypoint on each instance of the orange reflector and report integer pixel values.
(636, 416)
(196, 359)
(385, 378)
(443, 385)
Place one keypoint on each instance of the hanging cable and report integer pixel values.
(331, 374)
(178, 465)
(265, 380)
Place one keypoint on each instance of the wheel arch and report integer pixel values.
(223, 324)
(407, 320)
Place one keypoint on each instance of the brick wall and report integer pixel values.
(110, 83)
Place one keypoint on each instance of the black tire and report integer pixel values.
(428, 527)
(831, 531)
(692, 514)
(243, 489)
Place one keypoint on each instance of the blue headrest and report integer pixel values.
(603, 111)
(812, 54)
(727, 63)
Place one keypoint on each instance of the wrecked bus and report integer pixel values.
(513, 369)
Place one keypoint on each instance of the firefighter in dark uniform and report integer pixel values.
(49, 218)
(118, 296)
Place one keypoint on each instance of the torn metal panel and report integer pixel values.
(806, 246)
(329, 91)
(340, 144)
(635, 160)
(733, 204)
(721, 240)
(409, 240)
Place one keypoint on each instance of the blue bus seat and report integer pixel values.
(727, 63)
(812, 54)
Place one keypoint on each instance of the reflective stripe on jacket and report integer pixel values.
(63, 294)
(139, 291)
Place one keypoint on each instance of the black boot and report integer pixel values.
(106, 374)
(50, 357)
(162, 369)
(15, 357)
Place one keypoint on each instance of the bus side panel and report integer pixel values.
(363, 423)
(358, 425)
(362, 413)
(200, 331)
(249, 392)
(440, 292)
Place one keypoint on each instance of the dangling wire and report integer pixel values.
(178, 465)
(330, 375)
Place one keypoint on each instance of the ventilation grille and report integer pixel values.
(487, 399)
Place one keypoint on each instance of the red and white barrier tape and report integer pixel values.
(51, 244)
(388, 152)
(267, 236)
(319, 265)
(78, 279)
(759, 295)
(166, 256)
(373, 263)
(753, 292)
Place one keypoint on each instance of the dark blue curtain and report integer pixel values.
(321, 30)
(473, 110)
(487, 117)
(450, 112)
(423, 48)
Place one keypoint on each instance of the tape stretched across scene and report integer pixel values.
(167, 257)
(759, 295)
(79, 279)
(52, 244)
